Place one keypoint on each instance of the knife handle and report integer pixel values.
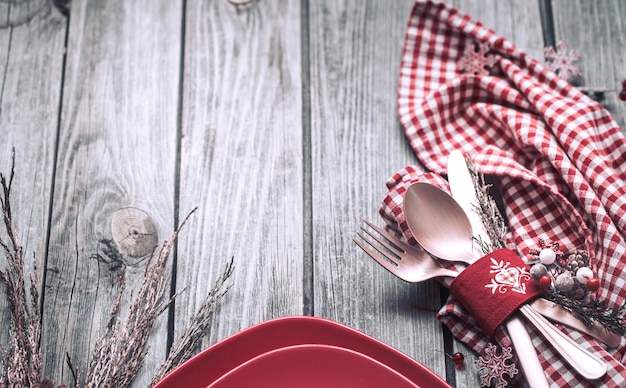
(558, 314)
(585, 363)
(526, 353)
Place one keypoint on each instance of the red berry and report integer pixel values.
(545, 281)
(593, 284)
(624, 84)
(458, 359)
(622, 95)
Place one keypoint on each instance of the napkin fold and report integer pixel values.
(558, 157)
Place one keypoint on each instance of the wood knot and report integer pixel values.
(18, 12)
(134, 232)
(242, 5)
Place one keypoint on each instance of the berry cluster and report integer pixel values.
(568, 273)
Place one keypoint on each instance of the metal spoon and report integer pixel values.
(442, 228)
(438, 223)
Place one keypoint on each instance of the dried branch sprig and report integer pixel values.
(22, 362)
(592, 312)
(488, 210)
(187, 344)
(121, 350)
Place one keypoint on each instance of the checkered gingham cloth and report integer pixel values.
(558, 156)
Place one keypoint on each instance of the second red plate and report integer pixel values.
(268, 345)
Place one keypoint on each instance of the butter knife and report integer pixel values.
(462, 188)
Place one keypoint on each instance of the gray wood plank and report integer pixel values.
(14, 13)
(31, 59)
(242, 163)
(117, 149)
(357, 144)
(596, 29)
(518, 21)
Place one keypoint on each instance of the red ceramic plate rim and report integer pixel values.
(212, 363)
(251, 371)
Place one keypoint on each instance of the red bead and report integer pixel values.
(458, 359)
(593, 284)
(624, 84)
(545, 281)
(622, 95)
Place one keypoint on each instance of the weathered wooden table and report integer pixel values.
(277, 121)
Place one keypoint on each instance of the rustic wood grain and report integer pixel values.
(31, 60)
(242, 163)
(117, 148)
(596, 29)
(14, 13)
(279, 123)
(520, 22)
(356, 145)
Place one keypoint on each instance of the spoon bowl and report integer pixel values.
(438, 223)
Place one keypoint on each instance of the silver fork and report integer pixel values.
(401, 259)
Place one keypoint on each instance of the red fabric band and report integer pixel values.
(494, 287)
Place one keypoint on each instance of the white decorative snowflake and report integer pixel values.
(476, 61)
(561, 60)
(496, 366)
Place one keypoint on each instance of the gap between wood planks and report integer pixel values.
(171, 311)
(308, 293)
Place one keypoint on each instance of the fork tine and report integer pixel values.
(389, 265)
(396, 241)
(410, 264)
(382, 242)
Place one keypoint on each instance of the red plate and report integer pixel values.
(276, 340)
(312, 366)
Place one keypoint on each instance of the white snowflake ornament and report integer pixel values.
(477, 62)
(496, 366)
(561, 60)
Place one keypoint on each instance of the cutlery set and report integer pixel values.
(445, 227)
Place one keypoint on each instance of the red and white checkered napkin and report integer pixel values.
(559, 158)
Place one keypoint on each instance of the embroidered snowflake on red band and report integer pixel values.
(507, 277)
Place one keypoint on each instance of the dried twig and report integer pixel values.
(488, 210)
(21, 362)
(187, 345)
(120, 352)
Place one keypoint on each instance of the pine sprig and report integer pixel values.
(593, 311)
